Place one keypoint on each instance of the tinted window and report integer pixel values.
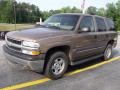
(100, 24)
(111, 26)
(87, 21)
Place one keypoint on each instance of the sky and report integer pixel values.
(46, 5)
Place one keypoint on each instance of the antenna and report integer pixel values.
(83, 7)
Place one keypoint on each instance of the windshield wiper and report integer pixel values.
(55, 27)
(48, 26)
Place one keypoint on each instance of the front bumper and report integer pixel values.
(35, 63)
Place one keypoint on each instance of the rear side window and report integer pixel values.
(87, 21)
(100, 24)
(111, 26)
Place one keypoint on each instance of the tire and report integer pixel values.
(108, 52)
(57, 65)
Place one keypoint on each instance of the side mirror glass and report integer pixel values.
(84, 29)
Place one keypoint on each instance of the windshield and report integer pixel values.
(64, 22)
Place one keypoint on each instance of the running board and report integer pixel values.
(85, 60)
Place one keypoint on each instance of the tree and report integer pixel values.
(101, 12)
(111, 11)
(25, 13)
(117, 16)
(66, 10)
(92, 10)
(76, 10)
(46, 14)
(6, 11)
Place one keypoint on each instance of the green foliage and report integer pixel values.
(92, 10)
(101, 12)
(96, 11)
(111, 11)
(25, 13)
(46, 14)
(6, 11)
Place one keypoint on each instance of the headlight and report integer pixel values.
(30, 44)
(31, 52)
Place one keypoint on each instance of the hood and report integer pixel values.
(36, 33)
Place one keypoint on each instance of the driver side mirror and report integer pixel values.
(85, 29)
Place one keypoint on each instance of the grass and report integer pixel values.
(11, 27)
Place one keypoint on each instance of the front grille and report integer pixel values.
(13, 44)
(14, 41)
(15, 48)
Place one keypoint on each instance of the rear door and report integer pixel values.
(102, 34)
(112, 29)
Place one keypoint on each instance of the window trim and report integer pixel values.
(94, 26)
(97, 25)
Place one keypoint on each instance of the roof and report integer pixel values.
(79, 14)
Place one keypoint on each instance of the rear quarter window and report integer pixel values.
(101, 26)
(110, 24)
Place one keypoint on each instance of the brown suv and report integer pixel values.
(62, 40)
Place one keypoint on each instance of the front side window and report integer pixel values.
(100, 24)
(87, 21)
(64, 22)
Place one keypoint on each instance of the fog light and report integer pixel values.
(35, 52)
(31, 52)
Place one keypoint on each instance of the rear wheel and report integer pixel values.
(57, 65)
(108, 52)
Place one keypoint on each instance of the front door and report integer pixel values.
(84, 42)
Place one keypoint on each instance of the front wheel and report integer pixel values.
(108, 52)
(57, 65)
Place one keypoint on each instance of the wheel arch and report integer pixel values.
(63, 48)
(111, 42)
